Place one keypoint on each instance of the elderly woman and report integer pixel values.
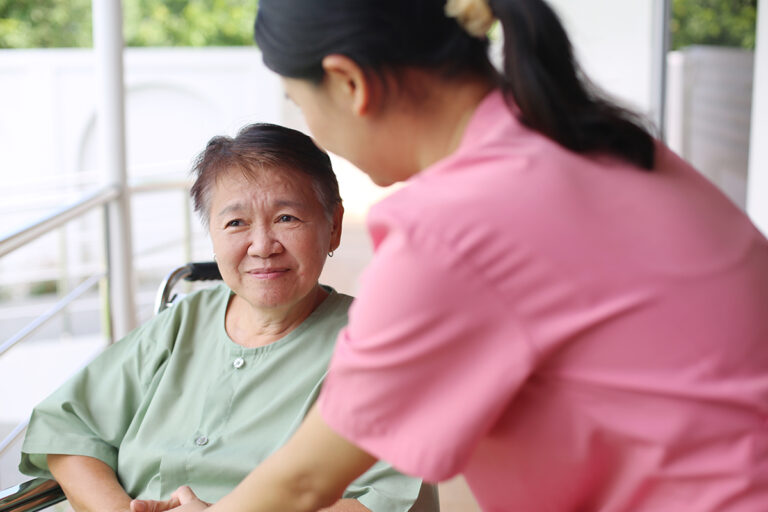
(210, 387)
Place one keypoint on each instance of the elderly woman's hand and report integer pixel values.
(183, 499)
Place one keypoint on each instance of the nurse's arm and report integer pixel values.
(309, 472)
(89, 484)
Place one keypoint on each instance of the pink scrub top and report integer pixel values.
(571, 333)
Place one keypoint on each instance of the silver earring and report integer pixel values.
(330, 254)
(214, 256)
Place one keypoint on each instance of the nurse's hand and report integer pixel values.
(182, 500)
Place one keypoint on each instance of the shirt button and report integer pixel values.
(201, 441)
(238, 363)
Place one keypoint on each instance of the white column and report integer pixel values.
(757, 187)
(660, 41)
(108, 47)
(677, 110)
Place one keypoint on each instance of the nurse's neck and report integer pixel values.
(432, 123)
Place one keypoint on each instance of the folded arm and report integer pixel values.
(89, 484)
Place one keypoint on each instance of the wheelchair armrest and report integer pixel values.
(203, 271)
(30, 496)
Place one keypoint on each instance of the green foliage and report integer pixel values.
(57, 23)
(189, 23)
(44, 287)
(715, 22)
(44, 23)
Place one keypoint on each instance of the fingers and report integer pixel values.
(188, 500)
(184, 494)
(139, 506)
(153, 505)
(181, 496)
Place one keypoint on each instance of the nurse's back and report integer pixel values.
(640, 302)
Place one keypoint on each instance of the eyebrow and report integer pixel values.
(280, 203)
(230, 209)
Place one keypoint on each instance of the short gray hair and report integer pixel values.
(263, 146)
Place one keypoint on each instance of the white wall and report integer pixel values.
(176, 99)
(757, 197)
(615, 43)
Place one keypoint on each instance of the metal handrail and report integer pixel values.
(31, 496)
(50, 222)
(47, 224)
(158, 186)
(29, 329)
(52, 311)
(32, 231)
(13, 435)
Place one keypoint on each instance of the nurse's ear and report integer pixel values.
(348, 84)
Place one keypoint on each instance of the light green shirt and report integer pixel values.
(177, 402)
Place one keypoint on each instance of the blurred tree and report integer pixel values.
(55, 24)
(716, 22)
(44, 23)
(189, 22)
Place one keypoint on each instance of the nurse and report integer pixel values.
(558, 306)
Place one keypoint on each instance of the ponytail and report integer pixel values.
(540, 76)
(551, 94)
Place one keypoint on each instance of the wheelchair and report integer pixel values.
(41, 493)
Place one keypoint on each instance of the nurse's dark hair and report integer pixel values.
(259, 147)
(541, 79)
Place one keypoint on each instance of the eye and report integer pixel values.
(286, 218)
(234, 223)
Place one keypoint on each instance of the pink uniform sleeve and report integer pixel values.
(431, 357)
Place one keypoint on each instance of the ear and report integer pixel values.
(348, 82)
(338, 217)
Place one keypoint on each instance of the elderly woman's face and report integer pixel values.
(271, 235)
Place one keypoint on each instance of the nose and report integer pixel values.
(263, 243)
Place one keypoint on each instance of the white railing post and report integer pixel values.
(661, 36)
(676, 129)
(757, 188)
(108, 49)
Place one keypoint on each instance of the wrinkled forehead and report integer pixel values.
(285, 182)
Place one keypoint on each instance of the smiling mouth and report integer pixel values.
(268, 273)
